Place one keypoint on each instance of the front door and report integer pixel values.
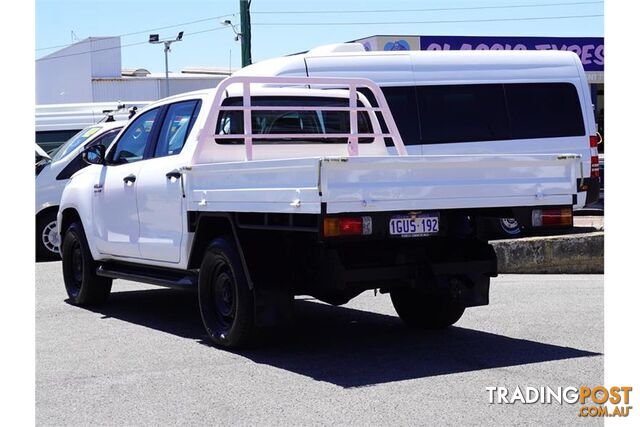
(115, 213)
(115, 209)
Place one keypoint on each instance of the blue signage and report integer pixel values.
(397, 45)
(590, 50)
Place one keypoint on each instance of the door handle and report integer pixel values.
(174, 174)
(129, 179)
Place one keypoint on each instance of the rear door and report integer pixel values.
(160, 192)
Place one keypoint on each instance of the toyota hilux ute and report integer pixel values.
(265, 188)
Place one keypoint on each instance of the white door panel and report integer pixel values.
(160, 201)
(114, 196)
(115, 211)
(160, 206)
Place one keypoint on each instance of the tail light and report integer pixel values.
(347, 226)
(594, 140)
(595, 166)
(552, 217)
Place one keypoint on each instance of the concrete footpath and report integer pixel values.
(581, 252)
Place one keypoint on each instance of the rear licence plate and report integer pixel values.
(414, 226)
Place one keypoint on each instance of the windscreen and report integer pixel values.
(75, 141)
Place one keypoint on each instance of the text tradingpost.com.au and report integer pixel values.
(596, 401)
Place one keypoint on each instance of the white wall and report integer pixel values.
(106, 59)
(90, 71)
(65, 76)
(147, 88)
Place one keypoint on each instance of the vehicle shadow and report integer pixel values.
(344, 346)
(42, 261)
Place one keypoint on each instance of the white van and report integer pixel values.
(56, 123)
(471, 102)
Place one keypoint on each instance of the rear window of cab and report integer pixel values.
(291, 122)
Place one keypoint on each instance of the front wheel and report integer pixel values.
(226, 302)
(425, 310)
(83, 285)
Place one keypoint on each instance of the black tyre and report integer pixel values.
(226, 302)
(427, 311)
(508, 227)
(47, 239)
(84, 287)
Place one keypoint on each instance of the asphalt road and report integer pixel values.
(143, 359)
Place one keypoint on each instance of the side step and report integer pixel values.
(151, 275)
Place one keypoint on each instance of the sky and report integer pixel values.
(281, 27)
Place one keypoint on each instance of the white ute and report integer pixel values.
(269, 187)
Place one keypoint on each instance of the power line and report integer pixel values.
(537, 18)
(322, 23)
(125, 45)
(150, 29)
(346, 12)
(424, 10)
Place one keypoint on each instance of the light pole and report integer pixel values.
(228, 23)
(155, 39)
(244, 36)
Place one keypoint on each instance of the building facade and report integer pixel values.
(90, 71)
(78, 83)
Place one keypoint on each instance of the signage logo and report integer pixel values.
(590, 50)
(397, 45)
(597, 401)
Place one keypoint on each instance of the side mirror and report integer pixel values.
(94, 155)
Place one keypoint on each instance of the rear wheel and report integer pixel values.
(47, 239)
(509, 227)
(423, 310)
(226, 302)
(83, 286)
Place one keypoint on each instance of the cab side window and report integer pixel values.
(131, 145)
(175, 127)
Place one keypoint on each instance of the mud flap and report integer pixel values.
(467, 282)
(469, 290)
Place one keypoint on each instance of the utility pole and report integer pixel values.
(245, 31)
